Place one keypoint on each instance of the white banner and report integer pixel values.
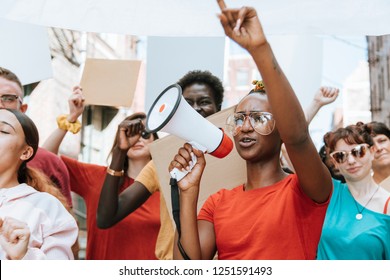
(198, 17)
(24, 50)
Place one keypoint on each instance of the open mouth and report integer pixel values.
(247, 141)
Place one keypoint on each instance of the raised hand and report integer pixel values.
(76, 104)
(182, 160)
(14, 237)
(242, 26)
(129, 132)
(326, 95)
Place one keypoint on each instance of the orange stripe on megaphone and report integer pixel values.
(162, 108)
(224, 148)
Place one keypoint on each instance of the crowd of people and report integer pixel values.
(296, 203)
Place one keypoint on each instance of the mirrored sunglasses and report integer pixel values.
(262, 122)
(358, 152)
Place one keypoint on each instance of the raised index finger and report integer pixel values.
(221, 4)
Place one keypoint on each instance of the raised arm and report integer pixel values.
(323, 96)
(113, 207)
(243, 26)
(68, 122)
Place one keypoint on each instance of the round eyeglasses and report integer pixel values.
(262, 122)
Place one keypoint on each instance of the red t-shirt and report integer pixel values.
(51, 165)
(277, 222)
(132, 238)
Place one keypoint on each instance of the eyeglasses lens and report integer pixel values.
(357, 152)
(262, 122)
(145, 135)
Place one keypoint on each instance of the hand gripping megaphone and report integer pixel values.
(171, 113)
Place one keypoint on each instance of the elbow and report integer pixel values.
(102, 223)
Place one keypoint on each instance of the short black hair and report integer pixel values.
(204, 77)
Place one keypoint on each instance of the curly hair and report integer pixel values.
(351, 134)
(204, 77)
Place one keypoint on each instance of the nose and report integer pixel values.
(350, 159)
(247, 126)
(378, 147)
(196, 107)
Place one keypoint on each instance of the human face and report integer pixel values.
(251, 145)
(11, 88)
(357, 164)
(381, 152)
(201, 98)
(140, 150)
(13, 148)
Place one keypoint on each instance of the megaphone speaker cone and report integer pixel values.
(163, 108)
(224, 148)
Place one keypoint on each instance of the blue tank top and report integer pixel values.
(346, 238)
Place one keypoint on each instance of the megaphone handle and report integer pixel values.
(178, 174)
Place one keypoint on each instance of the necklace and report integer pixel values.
(359, 215)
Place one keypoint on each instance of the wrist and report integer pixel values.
(115, 173)
(72, 119)
(64, 124)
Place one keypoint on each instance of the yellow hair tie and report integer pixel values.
(259, 85)
(64, 124)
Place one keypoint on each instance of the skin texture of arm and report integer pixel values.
(112, 207)
(324, 96)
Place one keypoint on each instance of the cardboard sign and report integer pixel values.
(110, 82)
(225, 173)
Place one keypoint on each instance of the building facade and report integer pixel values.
(379, 66)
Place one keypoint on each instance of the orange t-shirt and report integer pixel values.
(277, 222)
(133, 238)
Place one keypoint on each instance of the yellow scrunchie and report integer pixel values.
(64, 124)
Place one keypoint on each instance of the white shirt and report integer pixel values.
(53, 229)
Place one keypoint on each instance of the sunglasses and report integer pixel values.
(145, 135)
(262, 122)
(358, 152)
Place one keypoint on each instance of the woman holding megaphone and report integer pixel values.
(204, 92)
(273, 215)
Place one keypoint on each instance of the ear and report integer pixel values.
(27, 153)
(23, 108)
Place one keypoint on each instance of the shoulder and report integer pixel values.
(148, 177)
(44, 157)
(225, 193)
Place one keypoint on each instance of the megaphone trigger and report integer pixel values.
(178, 174)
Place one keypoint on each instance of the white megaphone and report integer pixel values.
(171, 113)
